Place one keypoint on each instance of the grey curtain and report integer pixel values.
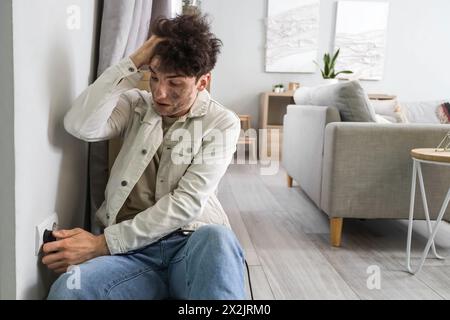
(125, 26)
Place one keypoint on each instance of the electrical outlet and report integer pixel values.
(47, 224)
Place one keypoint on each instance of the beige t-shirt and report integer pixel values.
(142, 196)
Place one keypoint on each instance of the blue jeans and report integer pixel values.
(208, 264)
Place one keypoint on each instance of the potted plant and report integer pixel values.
(278, 88)
(328, 71)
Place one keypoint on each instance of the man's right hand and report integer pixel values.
(144, 54)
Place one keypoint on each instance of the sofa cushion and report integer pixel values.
(348, 97)
(400, 114)
(385, 107)
(380, 118)
(389, 110)
(421, 111)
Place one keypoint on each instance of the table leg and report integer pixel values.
(435, 230)
(425, 208)
(411, 216)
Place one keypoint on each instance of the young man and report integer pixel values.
(166, 234)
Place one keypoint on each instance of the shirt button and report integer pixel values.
(131, 69)
(107, 216)
(161, 181)
(144, 152)
(124, 183)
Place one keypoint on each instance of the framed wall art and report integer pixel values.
(292, 35)
(361, 30)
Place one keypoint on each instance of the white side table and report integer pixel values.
(433, 157)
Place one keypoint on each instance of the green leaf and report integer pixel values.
(345, 71)
(326, 61)
(333, 61)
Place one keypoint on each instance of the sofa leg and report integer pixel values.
(289, 181)
(336, 231)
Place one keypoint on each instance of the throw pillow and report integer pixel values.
(421, 111)
(443, 112)
(384, 119)
(400, 114)
(348, 97)
(384, 107)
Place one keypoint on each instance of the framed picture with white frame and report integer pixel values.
(292, 35)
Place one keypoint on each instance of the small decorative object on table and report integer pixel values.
(293, 86)
(444, 146)
(278, 88)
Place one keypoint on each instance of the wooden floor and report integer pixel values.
(286, 242)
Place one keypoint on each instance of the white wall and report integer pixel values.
(7, 243)
(52, 65)
(417, 51)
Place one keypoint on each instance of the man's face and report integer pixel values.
(174, 94)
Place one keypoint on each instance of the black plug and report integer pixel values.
(48, 236)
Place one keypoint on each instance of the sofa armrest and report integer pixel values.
(303, 136)
(367, 169)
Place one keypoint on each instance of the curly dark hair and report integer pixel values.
(189, 47)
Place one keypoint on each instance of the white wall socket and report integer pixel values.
(46, 224)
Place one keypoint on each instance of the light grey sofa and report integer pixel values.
(359, 170)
